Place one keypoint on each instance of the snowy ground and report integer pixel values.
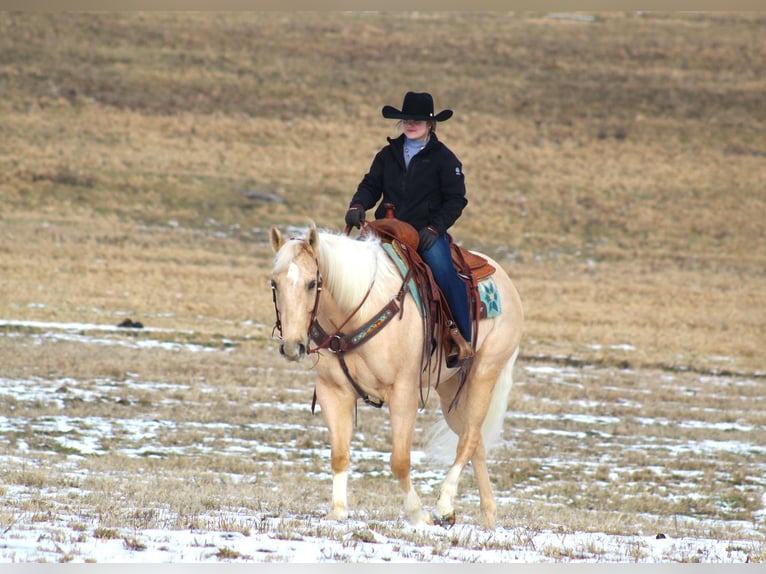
(36, 526)
(356, 542)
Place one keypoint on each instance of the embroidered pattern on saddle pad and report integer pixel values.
(490, 298)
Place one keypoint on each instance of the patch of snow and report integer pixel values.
(297, 540)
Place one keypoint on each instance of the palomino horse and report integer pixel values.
(343, 283)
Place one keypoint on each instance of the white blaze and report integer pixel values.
(293, 273)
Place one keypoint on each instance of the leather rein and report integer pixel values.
(339, 343)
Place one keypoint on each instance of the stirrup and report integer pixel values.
(460, 349)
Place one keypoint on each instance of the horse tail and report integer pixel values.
(442, 441)
(492, 428)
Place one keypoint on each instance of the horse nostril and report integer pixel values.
(292, 351)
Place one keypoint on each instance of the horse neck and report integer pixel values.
(356, 280)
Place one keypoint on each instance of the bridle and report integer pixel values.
(278, 321)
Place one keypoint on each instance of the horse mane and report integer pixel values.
(349, 266)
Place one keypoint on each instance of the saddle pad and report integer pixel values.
(413, 288)
(490, 298)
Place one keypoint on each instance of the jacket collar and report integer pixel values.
(398, 142)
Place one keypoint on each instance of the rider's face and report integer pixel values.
(415, 129)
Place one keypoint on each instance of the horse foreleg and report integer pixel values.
(403, 413)
(338, 412)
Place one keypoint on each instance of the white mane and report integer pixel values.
(349, 266)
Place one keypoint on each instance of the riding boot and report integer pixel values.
(461, 349)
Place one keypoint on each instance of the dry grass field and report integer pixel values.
(616, 166)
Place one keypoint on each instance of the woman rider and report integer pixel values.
(424, 180)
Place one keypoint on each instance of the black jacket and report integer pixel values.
(430, 192)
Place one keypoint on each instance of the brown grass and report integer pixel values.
(615, 168)
(619, 161)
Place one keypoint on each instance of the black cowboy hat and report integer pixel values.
(416, 106)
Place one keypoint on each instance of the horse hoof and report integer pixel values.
(446, 521)
(337, 515)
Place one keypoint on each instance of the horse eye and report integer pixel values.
(312, 284)
(273, 285)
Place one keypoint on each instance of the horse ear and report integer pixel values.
(277, 241)
(312, 239)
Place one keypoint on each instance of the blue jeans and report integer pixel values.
(439, 259)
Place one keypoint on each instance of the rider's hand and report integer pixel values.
(428, 236)
(355, 215)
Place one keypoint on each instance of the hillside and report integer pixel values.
(615, 163)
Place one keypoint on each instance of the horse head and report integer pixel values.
(296, 284)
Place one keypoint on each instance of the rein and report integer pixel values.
(339, 344)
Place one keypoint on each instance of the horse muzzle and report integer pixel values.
(292, 351)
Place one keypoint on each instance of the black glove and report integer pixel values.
(355, 215)
(428, 236)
